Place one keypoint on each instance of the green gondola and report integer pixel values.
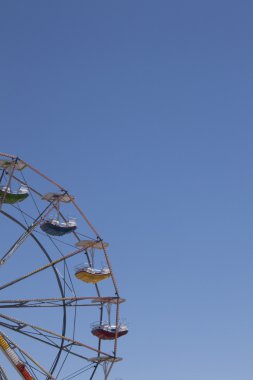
(7, 196)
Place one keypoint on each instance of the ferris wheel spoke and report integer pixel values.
(22, 324)
(107, 372)
(45, 339)
(34, 334)
(25, 234)
(58, 302)
(51, 264)
(79, 372)
(44, 305)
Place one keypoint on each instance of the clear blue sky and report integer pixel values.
(143, 109)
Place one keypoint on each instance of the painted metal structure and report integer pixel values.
(43, 305)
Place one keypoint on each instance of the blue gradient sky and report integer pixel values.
(143, 110)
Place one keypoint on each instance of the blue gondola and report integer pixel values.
(55, 228)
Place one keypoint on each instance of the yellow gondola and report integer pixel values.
(88, 273)
(92, 276)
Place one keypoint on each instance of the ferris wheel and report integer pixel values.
(60, 303)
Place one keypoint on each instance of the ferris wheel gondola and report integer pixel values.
(54, 226)
(88, 273)
(7, 195)
(105, 329)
